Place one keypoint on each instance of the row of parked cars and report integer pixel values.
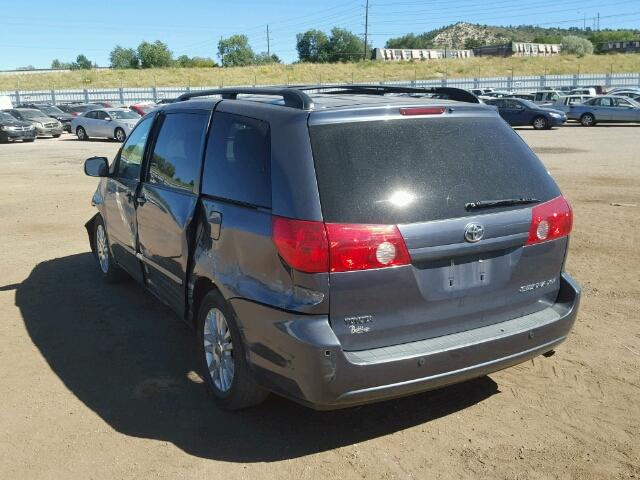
(549, 108)
(28, 121)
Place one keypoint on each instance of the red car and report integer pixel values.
(142, 108)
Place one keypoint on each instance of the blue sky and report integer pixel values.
(49, 29)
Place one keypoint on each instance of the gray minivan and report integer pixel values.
(339, 245)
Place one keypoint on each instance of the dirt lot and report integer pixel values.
(97, 380)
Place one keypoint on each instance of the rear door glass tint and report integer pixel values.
(238, 160)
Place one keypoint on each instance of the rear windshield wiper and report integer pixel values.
(505, 202)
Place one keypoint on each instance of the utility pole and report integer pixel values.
(366, 28)
(268, 42)
(598, 24)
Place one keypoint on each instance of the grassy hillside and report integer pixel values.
(313, 73)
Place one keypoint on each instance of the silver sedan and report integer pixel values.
(106, 123)
(608, 108)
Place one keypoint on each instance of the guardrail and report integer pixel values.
(519, 83)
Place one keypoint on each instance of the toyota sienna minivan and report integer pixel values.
(339, 245)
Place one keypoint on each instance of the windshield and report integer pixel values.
(5, 117)
(50, 110)
(123, 115)
(30, 113)
(423, 169)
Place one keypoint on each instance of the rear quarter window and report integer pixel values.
(238, 160)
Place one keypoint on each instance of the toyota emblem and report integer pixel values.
(473, 232)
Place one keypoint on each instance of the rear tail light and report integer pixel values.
(362, 247)
(315, 247)
(550, 220)
(302, 244)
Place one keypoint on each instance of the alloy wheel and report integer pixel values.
(218, 349)
(102, 249)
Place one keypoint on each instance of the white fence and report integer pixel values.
(133, 95)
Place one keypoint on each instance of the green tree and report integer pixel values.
(235, 51)
(471, 43)
(312, 46)
(574, 45)
(264, 58)
(185, 61)
(154, 55)
(410, 40)
(121, 57)
(58, 65)
(601, 37)
(81, 63)
(345, 46)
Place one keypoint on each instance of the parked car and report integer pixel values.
(53, 112)
(565, 103)
(524, 96)
(12, 129)
(632, 94)
(614, 91)
(76, 109)
(43, 124)
(498, 94)
(106, 123)
(5, 102)
(319, 260)
(589, 91)
(547, 96)
(517, 112)
(604, 109)
(142, 108)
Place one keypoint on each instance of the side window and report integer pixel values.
(133, 151)
(100, 115)
(177, 154)
(620, 102)
(238, 161)
(90, 115)
(605, 102)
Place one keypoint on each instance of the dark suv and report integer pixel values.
(339, 246)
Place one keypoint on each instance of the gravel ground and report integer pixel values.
(97, 381)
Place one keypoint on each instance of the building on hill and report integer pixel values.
(632, 46)
(518, 49)
(399, 54)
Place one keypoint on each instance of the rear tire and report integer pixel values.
(111, 273)
(82, 134)
(119, 135)
(588, 120)
(29, 140)
(222, 356)
(540, 123)
(57, 136)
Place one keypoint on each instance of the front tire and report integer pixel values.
(111, 273)
(82, 134)
(588, 120)
(119, 135)
(57, 135)
(540, 123)
(222, 356)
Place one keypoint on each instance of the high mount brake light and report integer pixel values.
(422, 110)
(316, 247)
(550, 220)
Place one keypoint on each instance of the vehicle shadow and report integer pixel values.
(130, 360)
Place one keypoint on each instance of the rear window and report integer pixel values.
(415, 170)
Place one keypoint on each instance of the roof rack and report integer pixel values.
(295, 96)
(292, 97)
(457, 94)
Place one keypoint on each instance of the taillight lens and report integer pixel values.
(362, 247)
(315, 247)
(550, 220)
(302, 244)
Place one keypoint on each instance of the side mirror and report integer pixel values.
(107, 119)
(96, 167)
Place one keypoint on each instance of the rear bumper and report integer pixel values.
(299, 356)
(49, 131)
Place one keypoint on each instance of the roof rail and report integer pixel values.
(457, 94)
(292, 97)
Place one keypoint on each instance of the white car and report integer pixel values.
(106, 123)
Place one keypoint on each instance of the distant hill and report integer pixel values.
(469, 35)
